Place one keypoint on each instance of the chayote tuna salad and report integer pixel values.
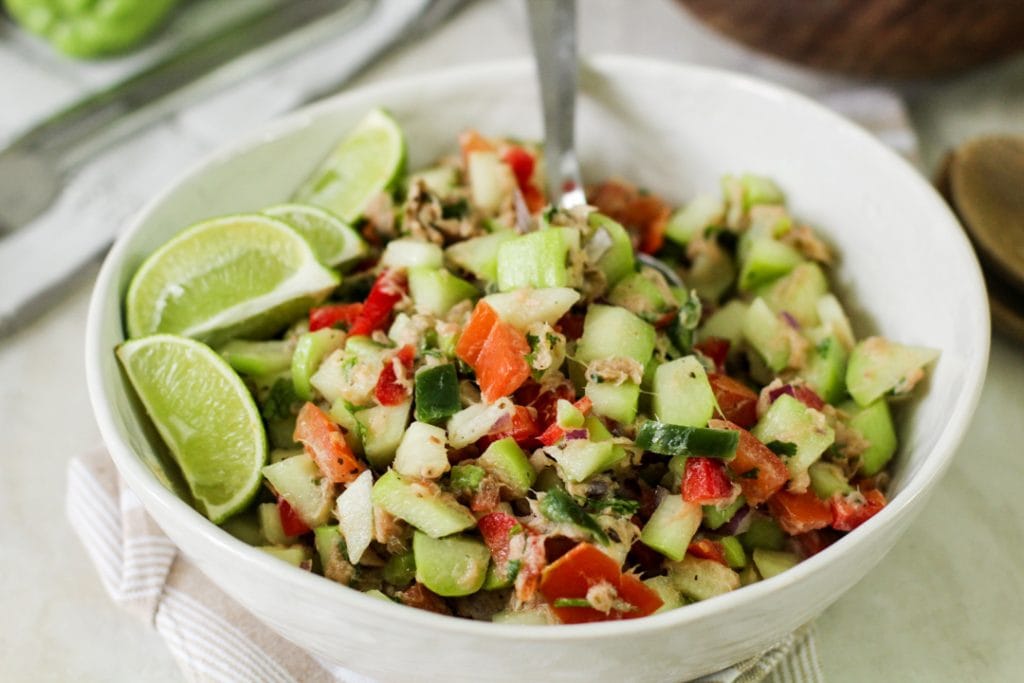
(451, 395)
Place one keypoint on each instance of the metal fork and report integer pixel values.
(553, 32)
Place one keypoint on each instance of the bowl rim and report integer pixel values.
(138, 475)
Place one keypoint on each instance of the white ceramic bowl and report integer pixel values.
(905, 270)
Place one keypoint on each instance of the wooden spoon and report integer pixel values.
(983, 180)
(986, 183)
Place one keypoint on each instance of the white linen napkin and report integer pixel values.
(214, 639)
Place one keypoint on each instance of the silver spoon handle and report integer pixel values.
(553, 31)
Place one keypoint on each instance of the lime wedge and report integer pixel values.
(334, 241)
(365, 163)
(244, 275)
(205, 415)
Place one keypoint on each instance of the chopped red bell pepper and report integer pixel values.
(798, 513)
(388, 289)
(522, 164)
(389, 391)
(291, 523)
(471, 141)
(497, 530)
(707, 549)
(555, 432)
(475, 333)
(501, 366)
(850, 511)
(705, 481)
(522, 427)
(736, 401)
(325, 443)
(760, 472)
(585, 568)
(333, 314)
(715, 348)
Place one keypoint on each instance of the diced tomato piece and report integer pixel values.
(497, 530)
(705, 481)
(571, 325)
(325, 443)
(555, 432)
(650, 215)
(798, 513)
(522, 427)
(388, 289)
(715, 348)
(760, 472)
(471, 141)
(333, 314)
(850, 511)
(706, 549)
(534, 198)
(522, 164)
(644, 215)
(421, 597)
(389, 391)
(501, 366)
(545, 400)
(737, 401)
(475, 333)
(291, 523)
(813, 542)
(611, 197)
(575, 573)
(530, 571)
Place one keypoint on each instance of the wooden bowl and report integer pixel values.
(882, 38)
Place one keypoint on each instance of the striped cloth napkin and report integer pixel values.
(213, 638)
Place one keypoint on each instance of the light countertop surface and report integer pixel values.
(947, 604)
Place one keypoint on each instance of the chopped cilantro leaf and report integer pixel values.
(784, 448)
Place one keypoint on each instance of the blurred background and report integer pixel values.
(104, 102)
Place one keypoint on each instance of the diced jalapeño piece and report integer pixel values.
(667, 439)
(437, 393)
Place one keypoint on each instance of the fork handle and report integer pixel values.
(553, 32)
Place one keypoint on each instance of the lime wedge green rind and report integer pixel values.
(368, 161)
(242, 275)
(205, 415)
(334, 241)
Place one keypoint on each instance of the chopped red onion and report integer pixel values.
(503, 423)
(784, 389)
(802, 393)
(739, 523)
(790, 320)
(574, 434)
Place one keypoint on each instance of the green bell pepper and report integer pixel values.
(90, 28)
